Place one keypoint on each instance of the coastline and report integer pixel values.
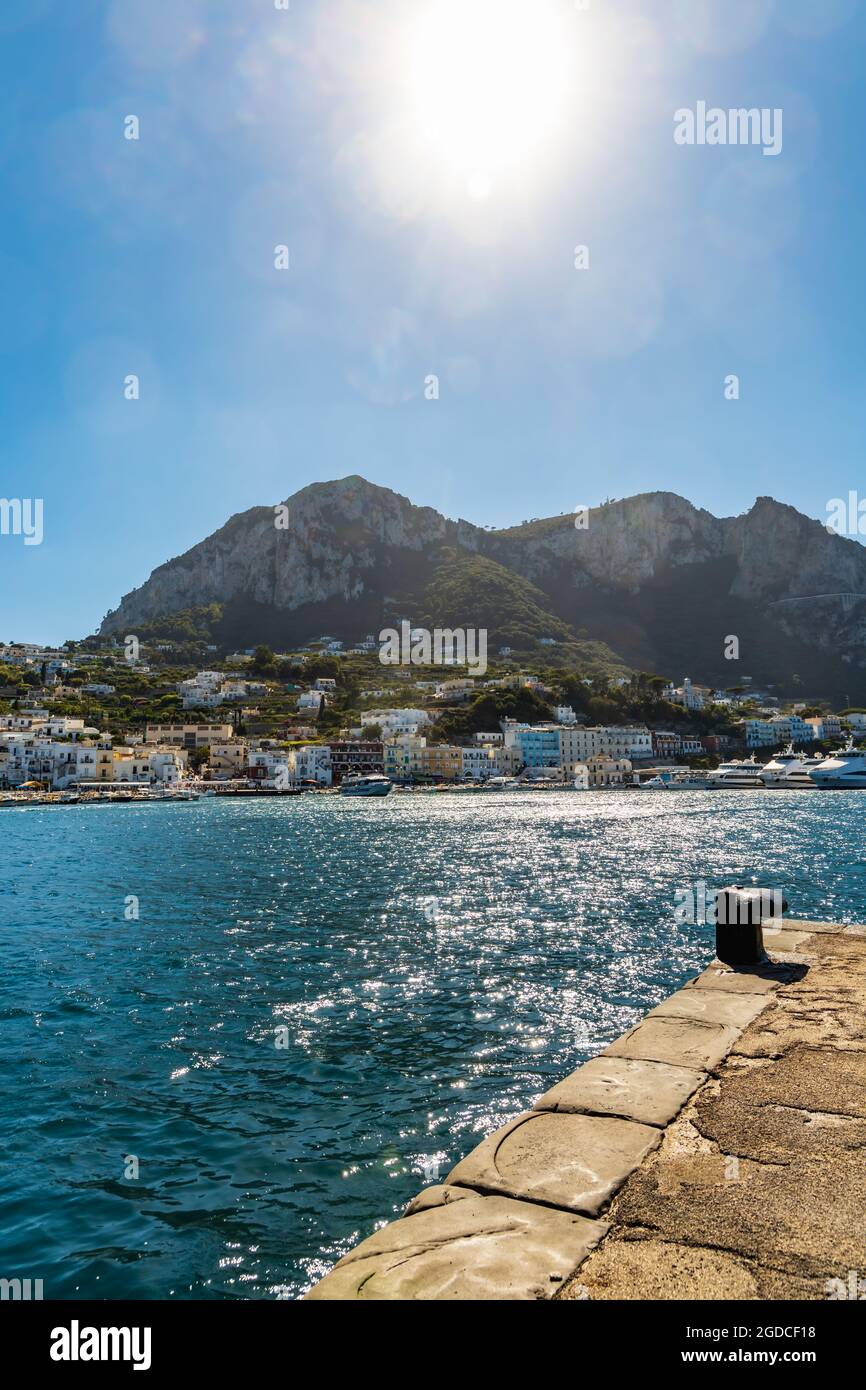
(710, 1152)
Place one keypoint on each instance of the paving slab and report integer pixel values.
(763, 980)
(679, 1041)
(567, 1160)
(712, 1006)
(781, 939)
(822, 928)
(477, 1248)
(650, 1092)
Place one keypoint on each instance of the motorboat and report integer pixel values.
(676, 782)
(745, 772)
(791, 769)
(366, 784)
(845, 768)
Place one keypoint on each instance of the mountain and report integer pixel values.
(651, 582)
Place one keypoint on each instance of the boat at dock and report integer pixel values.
(676, 782)
(745, 772)
(791, 769)
(844, 768)
(367, 784)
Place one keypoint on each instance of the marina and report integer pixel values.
(787, 770)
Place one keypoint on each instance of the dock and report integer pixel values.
(714, 1151)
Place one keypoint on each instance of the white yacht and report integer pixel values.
(369, 784)
(738, 773)
(845, 768)
(676, 782)
(790, 769)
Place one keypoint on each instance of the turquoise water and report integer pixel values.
(413, 1027)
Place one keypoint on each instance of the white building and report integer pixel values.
(829, 726)
(579, 744)
(479, 763)
(22, 723)
(759, 733)
(202, 691)
(271, 767)
(396, 722)
(567, 745)
(188, 735)
(196, 698)
(691, 746)
(455, 690)
(29, 757)
(768, 733)
(62, 726)
(166, 766)
(564, 714)
(632, 741)
(689, 695)
(311, 763)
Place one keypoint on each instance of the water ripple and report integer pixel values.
(428, 965)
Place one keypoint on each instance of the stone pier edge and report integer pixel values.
(518, 1216)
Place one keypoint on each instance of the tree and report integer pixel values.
(264, 663)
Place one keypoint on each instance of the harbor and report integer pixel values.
(838, 773)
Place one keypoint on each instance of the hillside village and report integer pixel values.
(90, 714)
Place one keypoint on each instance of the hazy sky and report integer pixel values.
(431, 194)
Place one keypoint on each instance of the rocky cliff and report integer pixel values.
(661, 582)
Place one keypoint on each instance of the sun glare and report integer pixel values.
(488, 86)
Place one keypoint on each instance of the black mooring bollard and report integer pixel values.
(739, 914)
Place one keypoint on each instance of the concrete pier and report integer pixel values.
(714, 1151)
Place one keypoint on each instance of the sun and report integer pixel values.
(487, 86)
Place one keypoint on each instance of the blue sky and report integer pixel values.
(558, 387)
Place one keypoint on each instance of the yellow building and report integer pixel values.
(442, 762)
(228, 757)
(609, 772)
(401, 757)
(411, 759)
